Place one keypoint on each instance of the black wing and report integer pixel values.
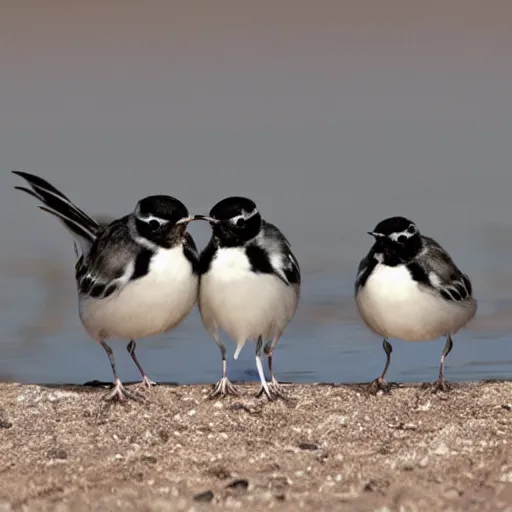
(272, 253)
(113, 261)
(364, 270)
(191, 252)
(434, 268)
(207, 255)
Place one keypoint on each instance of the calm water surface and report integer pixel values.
(43, 340)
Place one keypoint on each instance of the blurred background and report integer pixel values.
(331, 115)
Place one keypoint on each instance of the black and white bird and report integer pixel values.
(408, 287)
(136, 277)
(249, 285)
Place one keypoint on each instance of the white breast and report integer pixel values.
(153, 304)
(393, 305)
(243, 304)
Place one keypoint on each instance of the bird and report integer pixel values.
(408, 287)
(136, 276)
(249, 286)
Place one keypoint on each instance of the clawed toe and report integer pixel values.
(275, 392)
(379, 384)
(441, 385)
(120, 393)
(148, 382)
(224, 388)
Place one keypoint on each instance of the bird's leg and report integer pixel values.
(131, 350)
(261, 373)
(380, 382)
(274, 387)
(440, 384)
(224, 386)
(118, 392)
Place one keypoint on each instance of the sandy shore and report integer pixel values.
(330, 448)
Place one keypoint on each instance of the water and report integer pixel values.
(333, 121)
(44, 342)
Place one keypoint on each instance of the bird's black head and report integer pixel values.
(161, 219)
(398, 239)
(234, 221)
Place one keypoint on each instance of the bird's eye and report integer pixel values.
(411, 229)
(154, 224)
(240, 222)
(401, 239)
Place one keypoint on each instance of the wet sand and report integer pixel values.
(330, 447)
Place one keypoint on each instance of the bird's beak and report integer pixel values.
(211, 220)
(186, 220)
(375, 235)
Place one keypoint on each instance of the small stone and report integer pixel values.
(60, 454)
(5, 423)
(508, 407)
(164, 436)
(308, 446)
(204, 496)
(452, 494)
(370, 486)
(240, 484)
(442, 449)
(5, 506)
(506, 477)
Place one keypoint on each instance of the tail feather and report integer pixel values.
(73, 226)
(83, 227)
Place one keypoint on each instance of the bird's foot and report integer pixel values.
(223, 388)
(148, 382)
(441, 385)
(379, 384)
(275, 391)
(120, 393)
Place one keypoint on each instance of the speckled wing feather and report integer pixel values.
(283, 261)
(433, 267)
(113, 261)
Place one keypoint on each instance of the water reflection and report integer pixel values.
(326, 342)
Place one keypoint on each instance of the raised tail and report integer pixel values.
(83, 227)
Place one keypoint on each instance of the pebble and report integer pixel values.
(204, 496)
(442, 449)
(5, 506)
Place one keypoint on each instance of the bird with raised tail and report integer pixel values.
(136, 276)
(249, 286)
(408, 287)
